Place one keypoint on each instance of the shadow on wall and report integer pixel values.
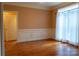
(0, 43)
(0, 28)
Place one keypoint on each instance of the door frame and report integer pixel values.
(16, 22)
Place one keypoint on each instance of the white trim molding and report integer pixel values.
(33, 34)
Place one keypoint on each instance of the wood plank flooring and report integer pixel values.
(40, 48)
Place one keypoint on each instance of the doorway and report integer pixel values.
(10, 25)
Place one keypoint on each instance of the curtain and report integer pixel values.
(67, 26)
(73, 26)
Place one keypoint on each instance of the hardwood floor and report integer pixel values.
(40, 48)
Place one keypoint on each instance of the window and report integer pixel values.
(67, 24)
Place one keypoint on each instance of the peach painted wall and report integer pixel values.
(29, 18)
(33, 24)
(54, 14)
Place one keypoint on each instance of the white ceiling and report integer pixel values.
(39, 5)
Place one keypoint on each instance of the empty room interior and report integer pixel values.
(41, 28)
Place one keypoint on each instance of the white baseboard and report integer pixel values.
(33, 34)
